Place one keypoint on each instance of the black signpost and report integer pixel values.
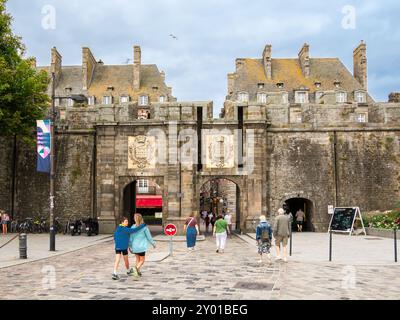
(343, 219)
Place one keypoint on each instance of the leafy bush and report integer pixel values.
(385, 221)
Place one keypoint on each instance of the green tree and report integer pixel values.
(23, 98)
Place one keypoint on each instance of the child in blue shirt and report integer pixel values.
(121, 238)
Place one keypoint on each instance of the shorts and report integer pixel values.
(123, 252)
(264, 247)
(299, 222)
(279, 239)
(4, 222)
(141, 254)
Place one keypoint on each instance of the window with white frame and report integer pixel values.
(91, 100)
(261, 97)
(301, 97)
(285, 98)
(243, 97)
(161, 99)
(341, 97)
(360, 96)
(124, 99)
(143, 186)
(143, 100)
(70, 102)
(362, 117)
(106, 100)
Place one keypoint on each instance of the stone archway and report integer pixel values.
(238, 208)
(307, 206)
(126, 206)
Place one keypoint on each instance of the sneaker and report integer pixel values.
(278, 258)
(217, 251)
(115, 276)
(130, 272)
(260, 261)
(135, 277)
(139, 273)
(285, 259)
(135, 272)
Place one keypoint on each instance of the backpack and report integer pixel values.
(264, 233)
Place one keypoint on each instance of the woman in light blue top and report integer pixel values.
(138, 244)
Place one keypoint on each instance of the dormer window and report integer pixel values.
(317, 84)
(124, 99)
(143, 100)
(110, 88)
(155, 88)
(280, 85)
(301, 97)
(360, 96)
(161, 99)
(243, 97)
(68, 89)
(260, 85)
(106, 99)
(91, 100)
(261, 98)
(337, 84)
(341, 97)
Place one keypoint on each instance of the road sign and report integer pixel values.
(170, 229)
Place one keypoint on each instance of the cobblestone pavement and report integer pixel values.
(203, 274)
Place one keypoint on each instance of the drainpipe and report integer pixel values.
(94, 172)
(335, 169)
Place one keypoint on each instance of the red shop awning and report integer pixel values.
(144, 201)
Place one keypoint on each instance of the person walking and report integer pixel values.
(264, 238)
(121, 238)
(220, 232)
(138, 244)
(207, 221)
(299, 220)
(281, 233)
(228, 219)
(5, 218)
(192, 230)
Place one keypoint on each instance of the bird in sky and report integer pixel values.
(127, 61)
(171, 35)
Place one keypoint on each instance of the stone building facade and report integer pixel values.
(302, 130)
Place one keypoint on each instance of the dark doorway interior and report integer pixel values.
(130, 201)
(306, 205)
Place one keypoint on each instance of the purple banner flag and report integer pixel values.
(43, 145)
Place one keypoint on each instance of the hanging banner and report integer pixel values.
(43, 145)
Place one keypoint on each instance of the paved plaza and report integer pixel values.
(204, 274)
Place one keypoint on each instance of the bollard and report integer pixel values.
(23, 246)
(330, 245)
(395, 244)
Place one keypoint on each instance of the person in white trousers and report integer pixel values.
(220, 231)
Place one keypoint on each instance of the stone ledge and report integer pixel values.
(384, 233)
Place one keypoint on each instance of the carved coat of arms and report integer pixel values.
(141, 152)
(220, 153)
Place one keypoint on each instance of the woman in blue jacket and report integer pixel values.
(138, 244)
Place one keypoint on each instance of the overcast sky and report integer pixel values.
(211, 34)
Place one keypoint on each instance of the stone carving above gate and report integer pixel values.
(220, 151)
(141, 152)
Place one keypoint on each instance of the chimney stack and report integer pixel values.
(267, 61)
(88, 67)
(137, 57)
(304, 59)
(231, 83)
(56, 60)
(360, 64)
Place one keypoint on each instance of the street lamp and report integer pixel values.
(78, 98)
